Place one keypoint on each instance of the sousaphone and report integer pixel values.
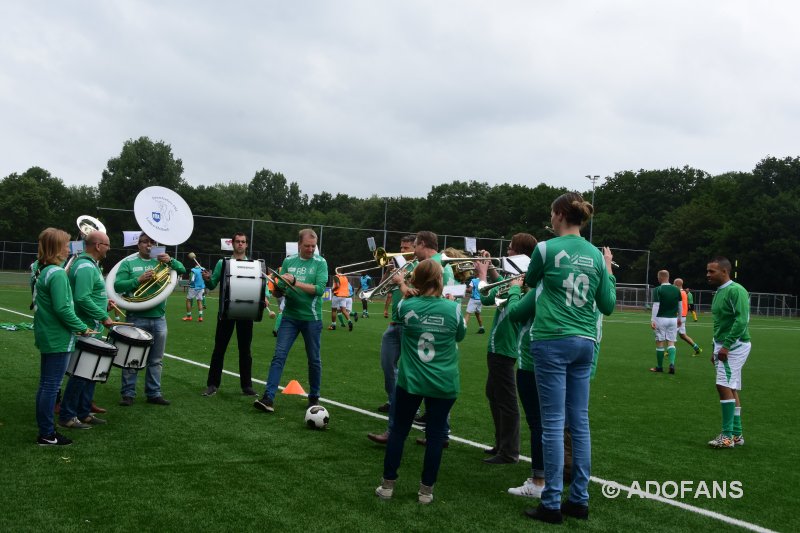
(167, 219)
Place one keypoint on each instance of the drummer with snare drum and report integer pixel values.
(91, 307)
(225, 327)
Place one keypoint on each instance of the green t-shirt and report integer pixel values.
(522, 310)
(299, 304)
(127, 281)
(569, 275)
(429, 356)
(89, 291)
(731, 310)
(668, 298)
(689, 298)
(504, 335)
(54, 320)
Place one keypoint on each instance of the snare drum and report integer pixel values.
(242, 290)
(133, 344)
(91, 359)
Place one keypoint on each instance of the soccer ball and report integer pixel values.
(317, 417)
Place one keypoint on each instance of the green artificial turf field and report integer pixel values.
(218, 464)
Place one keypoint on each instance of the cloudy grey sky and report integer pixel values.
(392, 97)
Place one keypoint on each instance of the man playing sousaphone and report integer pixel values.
(135, 271)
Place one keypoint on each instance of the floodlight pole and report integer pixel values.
(593, 179)
(385, 209)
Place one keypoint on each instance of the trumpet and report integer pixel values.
(380, 260)
(503, 285)
(387, 285)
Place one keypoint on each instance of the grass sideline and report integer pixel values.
(216, 463)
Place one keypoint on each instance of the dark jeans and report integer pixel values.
(501, 390)
(77, 401)
(52, 368)
(403, 409)
(529, 398)
(244, 337)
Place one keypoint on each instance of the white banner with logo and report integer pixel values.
(226, 245)
(130, 238)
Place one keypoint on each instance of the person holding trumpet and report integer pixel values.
(91, 307)
(136, 272)
(225, 327)
(55, 327)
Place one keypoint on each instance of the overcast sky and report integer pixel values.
(392, 97)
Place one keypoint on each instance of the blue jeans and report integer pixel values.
(52, 368)
(563, 367)
(390, 354)
(287, 334)
(529, 398)
(157, 327)
(403, 409)
(77, 400)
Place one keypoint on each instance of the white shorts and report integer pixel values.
(338, 302)
(682, 327)
(666, 328)
(729, 373)
(194, 294)
(474, 306)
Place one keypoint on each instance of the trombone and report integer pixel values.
(387, 285)
(380, 260)
(465, 264)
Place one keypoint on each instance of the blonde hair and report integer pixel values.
(573, 207)
(303, 233)
(51, 247)
(427, 278)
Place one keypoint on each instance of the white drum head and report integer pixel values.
(163, 215)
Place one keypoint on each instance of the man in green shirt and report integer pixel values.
(303, 279)
(91, 307)
(134, 271)
(665, 319)
(731, 311)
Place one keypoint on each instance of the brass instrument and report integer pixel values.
(387, 285)
(380, 260)
(503, 285)
(465, 264)
(276, 275)
(86, 225)
(159, 282)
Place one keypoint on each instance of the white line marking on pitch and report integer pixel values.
(601, 481)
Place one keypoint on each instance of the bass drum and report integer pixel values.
(241, 293)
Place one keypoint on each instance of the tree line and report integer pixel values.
(683, 216)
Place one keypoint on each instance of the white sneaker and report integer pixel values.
(425, 494)
(385, 489)
(721, 442)
(738, 440)
(528, 489)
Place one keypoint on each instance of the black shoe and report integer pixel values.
(313, 400)
(575, 510)
(671, 369)
(126, 401)
(422, 441)
(490, 451)
(543, 514)
(355, 317)
(274, 333)
(248, 391)
(211, 390)
(421, 420)
(264, 404)
(158, 400)
(384, 408)
(54, 439)
(350, 325)
(499, 460)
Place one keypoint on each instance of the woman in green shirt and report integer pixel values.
(55, 325)
(428, 371)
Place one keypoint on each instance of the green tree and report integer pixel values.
(30, 202)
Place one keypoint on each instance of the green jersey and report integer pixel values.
(54, 321)
(689, 298)
(299, 304)
(569, 276)
(429, 357)
(503, 337)
(668, 298)
(731, 310)
(127, 281)
(397, 294)
(522, 310)
(89, 291)
(447, 271)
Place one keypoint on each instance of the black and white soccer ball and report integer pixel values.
(317, 417)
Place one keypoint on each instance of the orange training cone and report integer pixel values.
(293, 387)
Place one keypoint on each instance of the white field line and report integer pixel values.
(606, 483)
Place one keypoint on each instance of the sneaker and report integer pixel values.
(187, 319)
(332, 327)
(350, 325)
(74, 423)
(200, 319)
(355, 317)
(211, 390)
(656, 369)
(385, 489)
(543, 514)
(126, 401)
(94, 421)
(421, 420)
(721, 442)
(313, 400)
(97, 409)
(481, 330)
(738, 440)
(384, 408)
(425, 494)
(379, 438)
(698, 351)
(158, 400)
(575, 510)
(264, 404)
(671, 369)
(55, 439)
(364, 315)
(248, 391)
(529, 489)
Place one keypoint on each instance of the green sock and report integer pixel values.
(672, 353)
(341, 319)
(696, 347)
(659, 357)
(737, 421)
(188, 313)
(728, 408)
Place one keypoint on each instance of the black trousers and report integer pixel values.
(244, 337)
(501, 391)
